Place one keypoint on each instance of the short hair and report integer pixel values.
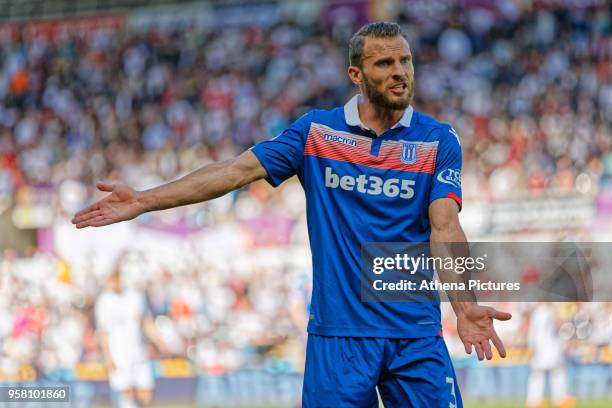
(379, 29)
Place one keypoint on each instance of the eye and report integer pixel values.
(406, 60)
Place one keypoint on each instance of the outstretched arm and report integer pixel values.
(474, 322)
(206, 183)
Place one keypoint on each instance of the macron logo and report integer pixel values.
(340, 139)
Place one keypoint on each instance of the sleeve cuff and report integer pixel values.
(273, 181)
(449, 194)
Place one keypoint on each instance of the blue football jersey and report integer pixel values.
(364, 188)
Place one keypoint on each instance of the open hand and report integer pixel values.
(475, 328)
(122, 204)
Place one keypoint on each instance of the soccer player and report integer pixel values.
(547, 359)
(374, 170)
(121, 316)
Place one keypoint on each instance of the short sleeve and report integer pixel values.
(282, 155)
(447, 174)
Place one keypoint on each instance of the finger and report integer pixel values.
(93, 207)
(487, 349)
(87, 217)
(98, 221)
(108, 187)
(89, 221)
(101, 223)
(106, 218)
(496, 314)
(468, 347)
(499, 345)
(83, 223)
(479, 351)
(77, 219)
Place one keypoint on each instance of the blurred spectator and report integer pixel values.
(123, 321)
(547, 359)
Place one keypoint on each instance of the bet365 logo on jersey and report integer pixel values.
(372, 185)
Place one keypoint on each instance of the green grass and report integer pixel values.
(579, 404)
(207, 406)
(583, 404)
(195, 406)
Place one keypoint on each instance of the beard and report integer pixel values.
(382, 101)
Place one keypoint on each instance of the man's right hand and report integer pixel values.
(206, 183)
(124, 203)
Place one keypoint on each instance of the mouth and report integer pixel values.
(398, 89)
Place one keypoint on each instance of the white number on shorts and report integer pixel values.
(451, 381)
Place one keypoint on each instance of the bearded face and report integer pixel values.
(386, 73)
(395, 96)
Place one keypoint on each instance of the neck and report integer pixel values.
(377, 118)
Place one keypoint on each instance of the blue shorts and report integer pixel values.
(343, 372)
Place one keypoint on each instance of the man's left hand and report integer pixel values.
(475, 328)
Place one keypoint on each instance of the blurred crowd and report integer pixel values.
(530, 93)
(246, 313)
(249, 314)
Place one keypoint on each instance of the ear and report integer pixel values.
(355, 75)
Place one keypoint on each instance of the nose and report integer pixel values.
(398, 71)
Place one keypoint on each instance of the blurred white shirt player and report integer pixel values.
(122, 319)
(547, 359)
